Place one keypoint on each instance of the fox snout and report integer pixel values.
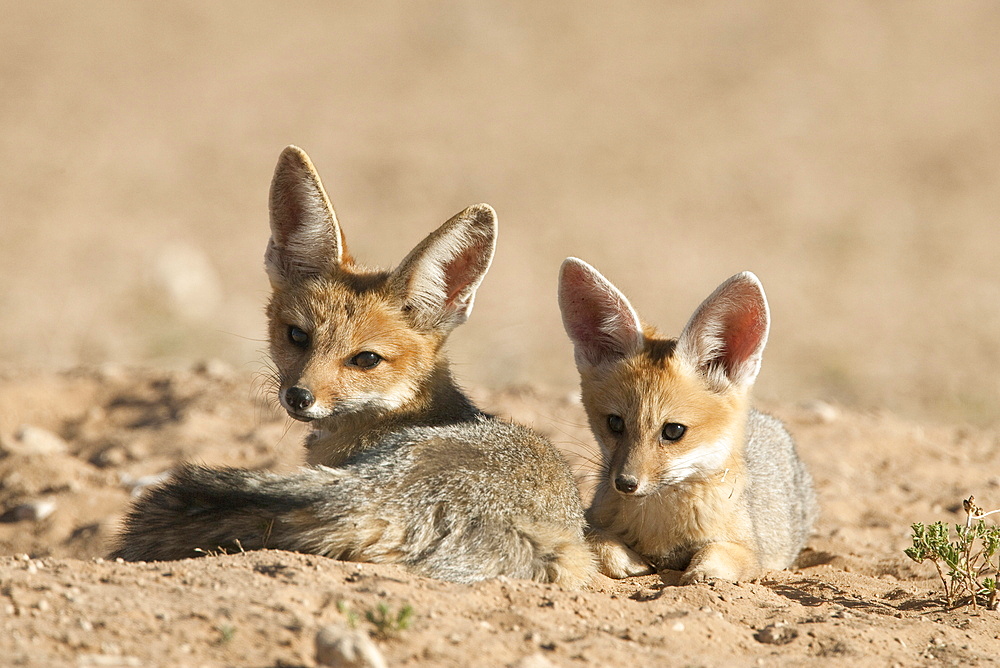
(634, 486)
(300, 403)
(297, 400)
(626, 484)
(630, 477)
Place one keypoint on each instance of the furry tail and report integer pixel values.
(337, 513)
(201, 510)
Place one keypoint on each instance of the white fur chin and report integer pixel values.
(699, 463)
(387, 401)
(390, 401)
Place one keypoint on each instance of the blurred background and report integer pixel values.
(847, 152)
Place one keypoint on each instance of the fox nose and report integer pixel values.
(299, 398)
(626, 484)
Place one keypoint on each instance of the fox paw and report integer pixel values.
(700, 576)
(621, 562)
(721, 561)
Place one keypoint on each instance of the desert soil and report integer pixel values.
(69, 468)
(847, 152)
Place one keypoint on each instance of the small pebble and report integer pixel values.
(778, 633)
(537, 660)
(37, 441)
(33, 511)
(348, 648)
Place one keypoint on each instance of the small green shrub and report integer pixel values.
(386, 623)
(968, 565)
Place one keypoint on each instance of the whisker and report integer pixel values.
(264, 386)
(244, 337)
(288, 425)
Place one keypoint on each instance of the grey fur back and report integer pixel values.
(463, 502)
(779, 491)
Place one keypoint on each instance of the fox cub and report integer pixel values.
(693, 478)
(405, 469)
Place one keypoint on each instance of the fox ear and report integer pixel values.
(306, 238)
(725, 338)
(439, 278)
(598, 318)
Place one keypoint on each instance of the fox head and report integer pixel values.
(664, 411)
(344, 338)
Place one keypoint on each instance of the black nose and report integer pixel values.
(626, 484)
(299, 398)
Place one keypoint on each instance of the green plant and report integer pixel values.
(226, 633)
(344, 608)
(964, 565)
(386, 623)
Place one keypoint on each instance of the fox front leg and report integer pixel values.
(614, 558)
(721, 561)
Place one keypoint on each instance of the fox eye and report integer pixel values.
(366, 360)
(298, 336)
(673, 431)
(616, 424)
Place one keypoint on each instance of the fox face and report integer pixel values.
(665, 412)
(340, 350)
(657, 424)
(345, 339)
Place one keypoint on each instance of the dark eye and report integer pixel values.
(298, 336)
(672, 431)
(616, 424)
(366, 360)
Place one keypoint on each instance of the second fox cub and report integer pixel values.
(406, 469)
(693, 478)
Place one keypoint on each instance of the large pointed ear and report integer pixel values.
(725, 338)
(305, 237)
(439, 278)
(598, 318)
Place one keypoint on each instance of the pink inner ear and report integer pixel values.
(585, 326)
(598, 322)
(581, 312)
(460, 272)
(744, 329)
(292, 218)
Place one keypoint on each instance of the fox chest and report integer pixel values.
(670, 527)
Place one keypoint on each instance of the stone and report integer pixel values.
(778, 633)
(347, 648)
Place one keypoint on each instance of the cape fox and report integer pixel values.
(405, 469)
(693, 478)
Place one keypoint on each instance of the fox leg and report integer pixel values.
(614, 558)
(721, 561)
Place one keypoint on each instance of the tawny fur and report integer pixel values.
(404, 468)
(731, 496)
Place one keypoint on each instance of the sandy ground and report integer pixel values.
(855, 598)
(846, 152)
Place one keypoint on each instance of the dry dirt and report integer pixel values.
(846, 152)
(74, 463)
